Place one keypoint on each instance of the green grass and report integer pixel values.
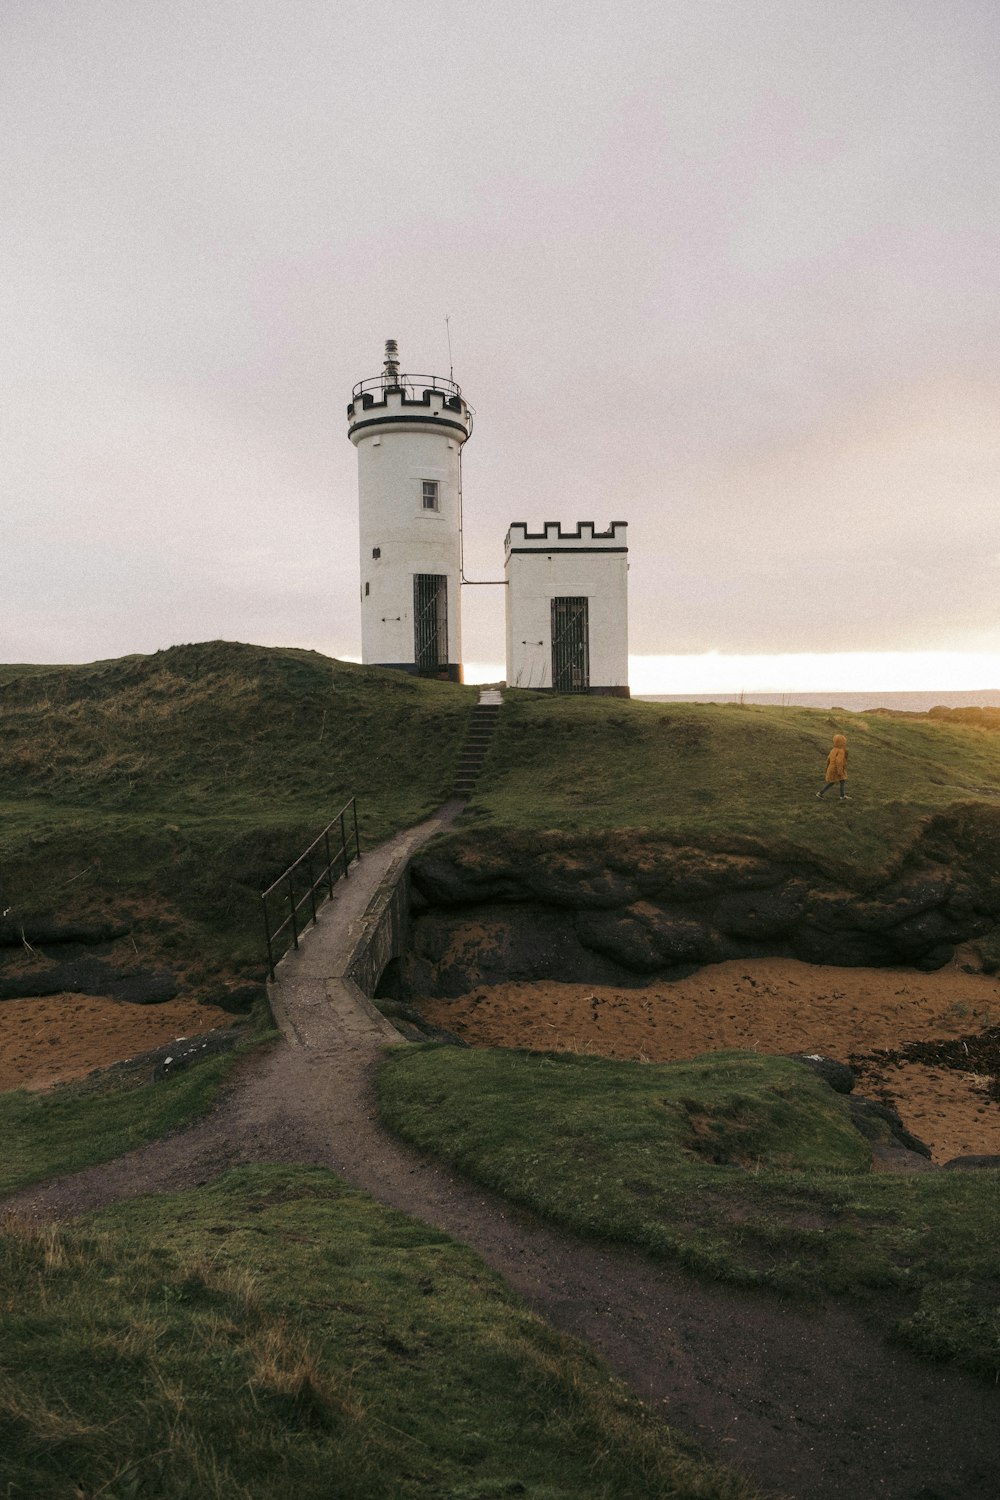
(738, 1166)
(711, 775)
(278, 1332)
(171, 789)
(211, 729)
(80, 1124)
(168, 790)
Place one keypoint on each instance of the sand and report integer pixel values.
(772, 1005)
(765, 1005)
(63, 1037)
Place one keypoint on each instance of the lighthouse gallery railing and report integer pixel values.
(292, 901)
(409, 384)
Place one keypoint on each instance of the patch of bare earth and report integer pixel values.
(774, 1005)
(59, 1038)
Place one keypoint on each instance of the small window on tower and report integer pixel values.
(366, 591)
(430, 494)
(376, 552)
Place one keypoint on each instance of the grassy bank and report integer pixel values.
(77, 1125)
(170, 789)
(712, 775)
(212, 729)
(280, 1333)
(738, 1166)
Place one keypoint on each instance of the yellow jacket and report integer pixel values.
(836, 761)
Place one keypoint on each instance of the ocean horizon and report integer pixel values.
(855, 703)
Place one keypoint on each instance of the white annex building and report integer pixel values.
(566, 590)
(567, 608)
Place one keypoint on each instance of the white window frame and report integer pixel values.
(430, 495)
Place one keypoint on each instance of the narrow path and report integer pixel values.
(810, 1403)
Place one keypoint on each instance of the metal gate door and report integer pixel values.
(430, 621)
(570, 646)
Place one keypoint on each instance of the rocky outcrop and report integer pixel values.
(47, 955)
(882, 1127)
(836, 1075)
(634, 907)
(43, 931)
(90, 976)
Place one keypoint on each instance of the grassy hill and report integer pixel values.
(213, 730)
(275, 1321)
(722, 775)
(172, 788)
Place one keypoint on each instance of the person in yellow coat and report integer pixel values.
(836, 768)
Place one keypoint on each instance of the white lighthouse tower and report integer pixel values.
(409, 431)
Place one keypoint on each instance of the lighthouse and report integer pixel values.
(409, 431)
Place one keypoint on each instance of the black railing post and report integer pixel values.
(312, 887)
(329, 861)
(291, 902)
(357, 840)
(343, 844)
(267, 937)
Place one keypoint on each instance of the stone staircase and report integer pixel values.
(482, 728)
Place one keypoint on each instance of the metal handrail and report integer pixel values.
(408, 383)
(294, 895)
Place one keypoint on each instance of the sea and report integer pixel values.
(855, 703)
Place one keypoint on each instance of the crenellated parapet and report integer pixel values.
(423, 401)
(584, 537)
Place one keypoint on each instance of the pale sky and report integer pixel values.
(725, 269)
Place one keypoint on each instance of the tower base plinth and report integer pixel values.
(453, 672)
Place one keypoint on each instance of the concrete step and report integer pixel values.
(478, 739)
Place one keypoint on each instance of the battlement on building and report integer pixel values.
(552, 538)
(426, 400)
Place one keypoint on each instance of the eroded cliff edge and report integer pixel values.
(622, 906)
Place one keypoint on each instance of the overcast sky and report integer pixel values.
(725, 269)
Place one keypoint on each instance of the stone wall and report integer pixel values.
(384, 932)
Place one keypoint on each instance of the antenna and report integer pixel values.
(447, 329)
(391, 363)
